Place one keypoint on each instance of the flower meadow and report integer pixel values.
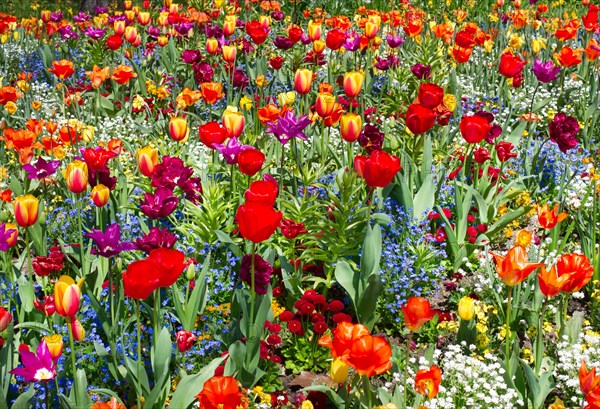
(229, 204)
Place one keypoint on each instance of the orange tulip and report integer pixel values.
(592, 51)
(123, 74)
(211, 92)
(212, 46)
(427, 382)
(222, 392)
(550, 282)
(353, 82)
(344, 336)
(371, 30)
(119, 27)
(417, 312)
(350, 127)
(63, 69)
(178, 129)
(100, 195)
(568, 57)
(233, 121)
(547, 218)
(268, 113)
(76, 176)
(98, 75)
(26, 210)
(67, 296)
(577, 268)
(324, 104)
(229, 25)
(513, 268)
(588, 380)
(55, 345)
(369, 355)
(147, 159)
(303, 80)
(113, 403)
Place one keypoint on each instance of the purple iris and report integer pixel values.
(108, 244)
(42, 169)
(4, 236)
(289, 126)
(545, 71)
(159, 204)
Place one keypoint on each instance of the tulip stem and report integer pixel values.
(139, 353)
(28, 246)
(80, 209)
(367, 389)
(73, 360)
(539, 346)
(508, 333)
(253, 292)
(406, 358)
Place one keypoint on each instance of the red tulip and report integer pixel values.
(474, 128)
(257, 221)
(380, 169)
(250, 161)
(335, 39)
(417, 311)
(511, 65)
(419, 118)
(185, 340)
(431, 95)
(212, 133)
(262, 192)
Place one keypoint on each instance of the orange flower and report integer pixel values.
(427, 382)
(417, 311)
(123, 74)
(592, 51)
(550, 282)
(112, 404)
(413, 28)
(63, 69)
(513, 268)
(549, 218)
(23, 141)
(211, 92)
(76, 176)
(369, 355)
(98, 75)
(8, 94)
(344, 336)
(187, 98)
(26, 210)
(577, 269)
(303, 80)
(461, 55)
(268, 113)
(568, 32)
(324, 104)
(568, 57)
(443, 31)
(335, 116)
(222, 392)
(587, 380)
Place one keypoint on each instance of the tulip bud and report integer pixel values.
(339, 371)
(350, 127)
(190, 273)
(131, 34)
(147, 159)
(26, 210)
(55, 345)
(371, 30)
(173, 8)
(127, 4)
(76, 176)
(229, 25)
(324, 104)
(466, 308)
(5, 319)
(185, 340)
(212, 46)
(119, 27)
(163, 40)
(77, 328)
(163, 19)
(100, 195)
(318, 46)
(303, 80)
(144, 18)
(46, 15)
(314, 31)
(67, 296)
(42, 216)
(178, 129)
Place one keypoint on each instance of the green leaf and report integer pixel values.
(371, 252)
(22, 402)
(333, 397)
(424, 199)
(40, 327)
(347, 278)
(191, 385)
(26, 294)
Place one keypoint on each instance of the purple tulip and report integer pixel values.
(108, 244)
(394, 41)
(156, 238)
(545, 71)
(421, 71)
(160, 204)
(563, 131)
(231, 150)
(262, 273)
(289, 126)
(4, 236)
(42, 169)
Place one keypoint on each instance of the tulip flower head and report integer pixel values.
(548, 218)
(222, 392)
(417, 312)
(427, 382)
(36, 367)
(26, 210)
(513, 267)
(67, 296)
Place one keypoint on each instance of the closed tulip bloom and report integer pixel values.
(229, 25)
(26, 210)
(147, 159)
(67, 296)
(303, 81)
(431, 95)
(549, 218)
(100, 195)
(212, 133)
(380, 169)
(11, 240)
(250, 161)
(119, 27)
(417, 312)
(511, 65)
(474, 128)
(513, 268)
(131, 34)
(233, 121)
(76, 176)
(419, 118)
(353, 82)
(314, 31)
(178, 129)
(350, 127)
(140, 279)
(339, 371)
(324, 104)
(257, 222)
(229, 53)
(319, 46)
(371, 30)
(427, 382)
(77, 329)
(5, 319)
(212, 46)
(144, 18)
(185, 340)
(466, 308)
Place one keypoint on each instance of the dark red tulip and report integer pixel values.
(474, 128)
(419, 118)
(504, 150)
